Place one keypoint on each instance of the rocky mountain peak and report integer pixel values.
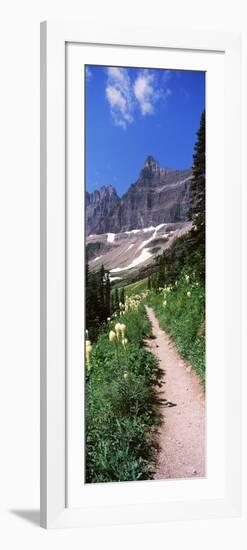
(108, 189)
(159, 196)
(150, 170)
(104, 193)
(152, 164)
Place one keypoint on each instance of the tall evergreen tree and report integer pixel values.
(154, 281)
(86, 274)
(197, 199)
(107, 295)
(112, 303)
(102, 303)
(116, 300)
(92, 304)
(98, 297)
(161, 272)
(122, 295)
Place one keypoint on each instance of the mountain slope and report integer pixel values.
(160, 195)
(130, 253)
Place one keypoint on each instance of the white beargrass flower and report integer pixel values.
(122, 327)
(88, 351)
(188, 293)
(125, 375)
(124, 342)
(118, 330)
(165, 303)
(112, 336)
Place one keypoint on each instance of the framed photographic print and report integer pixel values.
(140, 270)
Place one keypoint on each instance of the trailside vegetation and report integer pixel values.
(180, 308)
(121, 399)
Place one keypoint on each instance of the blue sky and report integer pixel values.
(132, 113)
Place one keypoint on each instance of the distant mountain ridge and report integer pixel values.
(99, 205)
(160, 195)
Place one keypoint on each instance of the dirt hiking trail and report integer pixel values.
(182, 434)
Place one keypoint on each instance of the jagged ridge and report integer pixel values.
(160, 195)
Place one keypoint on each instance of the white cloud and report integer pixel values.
(115, 98)
(148, 91)
(125, 95)
(119, 96)
(120, 77)
(145, 93)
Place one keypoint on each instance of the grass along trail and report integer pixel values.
(182, 434)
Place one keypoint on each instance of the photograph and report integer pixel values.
(145, 273)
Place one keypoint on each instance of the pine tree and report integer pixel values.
(122, 295)
(155, 281)
(112, 302)
(197, 200)
(161, 272)
(86, 274)
(102, 304)
(116, 300)
(92, 305)
(98, 298)
(107, 295)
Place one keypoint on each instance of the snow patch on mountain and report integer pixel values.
(156, 229)
(145, 255)
(110, 237)
(132, 231)
(98, 258)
